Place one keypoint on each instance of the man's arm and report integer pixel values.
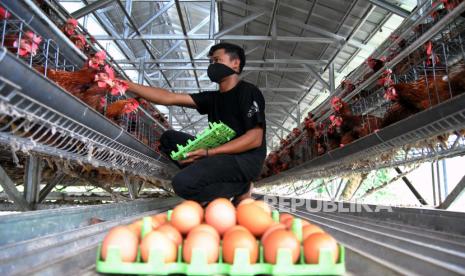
(247, 141)
(161, 96)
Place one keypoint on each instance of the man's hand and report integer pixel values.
(194, 155)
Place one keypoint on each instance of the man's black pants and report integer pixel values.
(207, 178)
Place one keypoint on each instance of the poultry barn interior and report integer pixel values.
(365, 122)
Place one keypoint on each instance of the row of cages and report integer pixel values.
(96, 83)
(401, 78)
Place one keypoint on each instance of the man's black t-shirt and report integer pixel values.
(241, 108)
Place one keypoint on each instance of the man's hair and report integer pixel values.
(234, 52)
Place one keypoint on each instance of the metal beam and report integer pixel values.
(204, 60)
(32, 179)
(390, 8)
(185, 32)
(332, 85)
(290, 115)
(364, 18)
(317, 76)
(128, 8)
(50, 185)
(149, 21)
(278, 125)
(411, 187)
(275, 132)
(130, 185)
(12, 192)
(456, 192)
(211, 29)
(204, 68)
(194, 123)
(90, 8)
(244, 21)
(310, 28)
(225, 37)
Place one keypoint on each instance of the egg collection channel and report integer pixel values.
(221, 239)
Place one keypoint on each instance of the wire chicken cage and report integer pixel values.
(34, 122)
(421, 67)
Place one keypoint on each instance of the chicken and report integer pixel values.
(375, 65)
(333, 139)
(24, 45)
(121, 107)
(430, 90)
(69, 28)
(348, 87)
(349, 127)
(397, 112)
(309, 126)
(95, 101)
(73, 82)
(4, 14)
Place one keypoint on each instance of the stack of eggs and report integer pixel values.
(221, 226)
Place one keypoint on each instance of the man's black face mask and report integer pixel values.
(218, 71)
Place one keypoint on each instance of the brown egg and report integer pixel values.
(207, 228)
(239, 239)
(281, 239)
(284, 216)
(185, 217)
(220, 214)
(235, 228)
(254, 218)
(271, 229)
(317, 241)
(263, 205)
(123, 238)
(156, 240)
(171, 232)
(161, 218)
(204, 241)
(310, 229)
(196, 206)
(136, 228)
(246, 201)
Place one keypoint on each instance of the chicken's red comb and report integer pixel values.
(4, 14)
(101, 55)
(72, 21)
(335, 100)
(109, 70)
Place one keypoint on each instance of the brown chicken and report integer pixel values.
(397, 112)
(375, 65)
(25, 45)
(351, 127)
(75, 82)
(121, 107)
(429, 91)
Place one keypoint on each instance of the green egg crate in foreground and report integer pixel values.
(241, 265)
(216, 135)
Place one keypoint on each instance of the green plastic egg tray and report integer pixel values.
(216, 135)
(241, 265)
